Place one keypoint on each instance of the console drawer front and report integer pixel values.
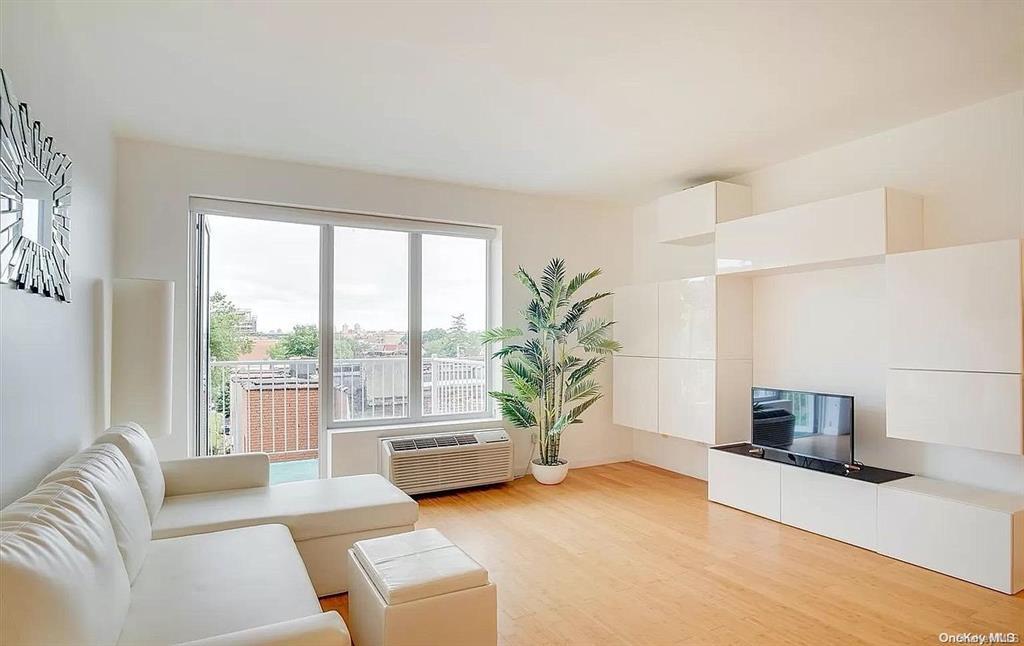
(956, 538)
(749, 484)
(830, 505)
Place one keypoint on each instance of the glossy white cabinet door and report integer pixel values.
(851, 228)
(686, 318)
(957, 308)
(977, 410)
(830, 505)
(952, 534)
(746, 483)
(635, 392)
(686, 399)
(689, 216)
(635, 311)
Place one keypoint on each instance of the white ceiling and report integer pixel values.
(603, 100)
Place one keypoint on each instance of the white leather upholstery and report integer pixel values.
(215, 473)
(311, 509)
(138, 448)
(417, 565)
(209, 584)
(329, 573)
(105, 468)
(315, 630)
(62, 580)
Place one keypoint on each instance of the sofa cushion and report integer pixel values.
(311, 509)
(138, 448)
(62, 580)
(417, 565)
(199, 586)
(105, 468)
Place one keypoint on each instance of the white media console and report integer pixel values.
(969, 533)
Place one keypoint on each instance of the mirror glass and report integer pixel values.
(37, 207)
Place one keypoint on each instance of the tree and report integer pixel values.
(552, 383)
(460, 342)
(302, 342)
(345, 347)
(226, 341)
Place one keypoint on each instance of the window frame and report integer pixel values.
(416, 228)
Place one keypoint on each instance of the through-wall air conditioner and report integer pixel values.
(440, 461)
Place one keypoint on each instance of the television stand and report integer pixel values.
(893, 513)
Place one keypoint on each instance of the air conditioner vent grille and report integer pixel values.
(423, 463)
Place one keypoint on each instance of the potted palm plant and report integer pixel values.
(547, 367)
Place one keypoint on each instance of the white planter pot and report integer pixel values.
(549, 475)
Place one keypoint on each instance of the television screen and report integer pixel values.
(813, 425)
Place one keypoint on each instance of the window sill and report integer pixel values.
(409, 428)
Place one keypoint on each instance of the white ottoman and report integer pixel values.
(418, 588)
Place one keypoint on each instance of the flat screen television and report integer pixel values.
(812, 425)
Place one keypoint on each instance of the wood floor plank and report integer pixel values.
(628, 553)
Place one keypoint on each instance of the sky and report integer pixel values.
(272, 269)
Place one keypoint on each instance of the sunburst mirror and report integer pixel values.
(35, 195)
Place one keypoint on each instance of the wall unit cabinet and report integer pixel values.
(635, 392)
(957, 308)
(690, 216)
(844, 230)
(955, 346)
(635, 310)
(972, 534)
(978, 410)
(704, 400)
(703, 349)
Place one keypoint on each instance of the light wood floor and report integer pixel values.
(630, 554)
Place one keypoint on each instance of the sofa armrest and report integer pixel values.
(325, 629)
(216, 473)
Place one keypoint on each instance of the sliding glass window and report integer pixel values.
(402, 304)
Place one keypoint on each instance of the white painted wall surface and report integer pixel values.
(155, 181)
(825, 330)
(53, 396)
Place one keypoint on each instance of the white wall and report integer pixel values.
(824, 330)
(155, 181)
(52, 366)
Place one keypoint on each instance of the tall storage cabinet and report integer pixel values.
(685, 367)
(955, 346)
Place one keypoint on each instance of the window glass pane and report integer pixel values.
(454, 315)
(371, 314)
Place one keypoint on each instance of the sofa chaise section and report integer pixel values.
(209, 494)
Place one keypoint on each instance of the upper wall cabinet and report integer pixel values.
(957, 308)
(844, 230)
(635, 309)
(705, 317)
(686, 318)
(690, 216)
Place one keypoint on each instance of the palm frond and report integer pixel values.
(577, 411)
(554, 274)
(582, 390)
(528, 282)
(581, 279)
(584, 371)
(603, 346)
(514, 410)
(498, 334)
(593, 331)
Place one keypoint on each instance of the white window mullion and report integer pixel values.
(326, 371)
(415, 326)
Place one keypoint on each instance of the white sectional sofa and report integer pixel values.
(115, 548)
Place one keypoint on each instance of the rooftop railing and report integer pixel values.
(274, 406)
